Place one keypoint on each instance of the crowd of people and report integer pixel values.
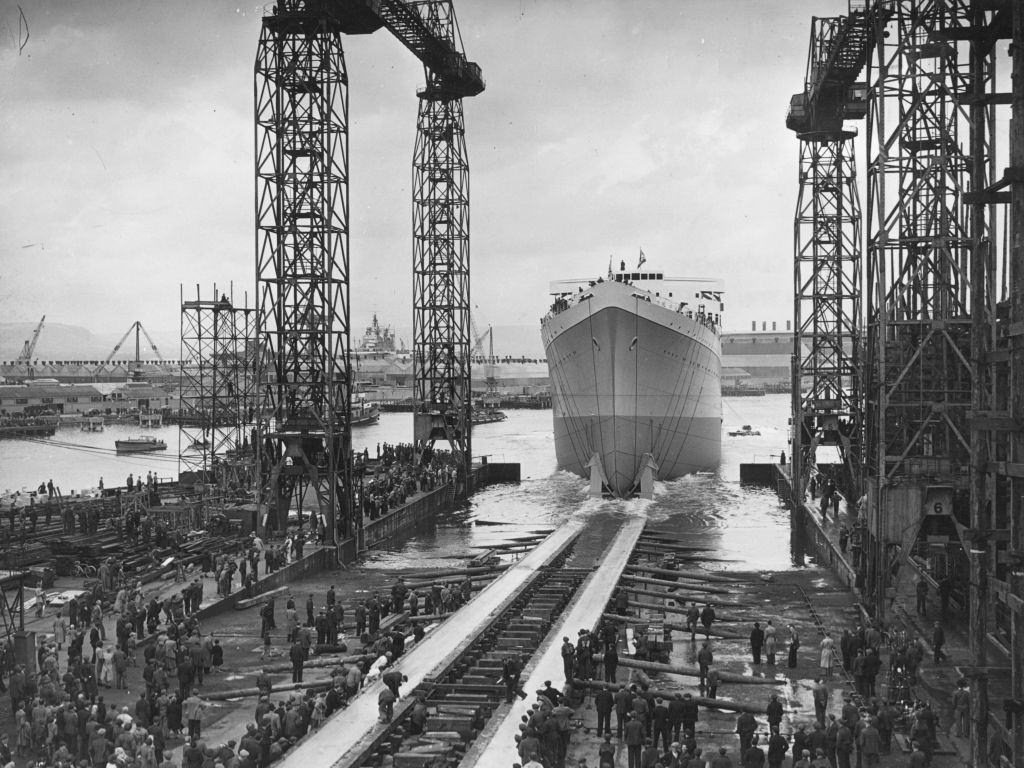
(400, 473)
(658, 730)
(62, 720)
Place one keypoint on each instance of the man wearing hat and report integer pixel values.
(604, 703)
(623, 706)
(634, 736)
(568, 655)
(226, 752)
(721, 760)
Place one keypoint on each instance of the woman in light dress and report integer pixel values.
(827, 644)
(107, 673)
(769, 642)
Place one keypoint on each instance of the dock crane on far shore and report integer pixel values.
(139, 330)
(30, 347)
(30, 344)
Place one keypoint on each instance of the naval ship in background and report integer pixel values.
(635, 370)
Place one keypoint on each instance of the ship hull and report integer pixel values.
(632, 379)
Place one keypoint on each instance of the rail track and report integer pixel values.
(462, 697)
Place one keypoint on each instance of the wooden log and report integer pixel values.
(481, 579)
(428, 617)
(320, 662)
(249, 602)
(693, 575)
(678, 597)
(659, 548)
(676, 585)
(721, 704)
(242, 693)
(651, 534)
(678, 610)
(456, 572)
(676, 669)
(673, 627)
(393, 620)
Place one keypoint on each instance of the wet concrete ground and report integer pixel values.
(781, 601)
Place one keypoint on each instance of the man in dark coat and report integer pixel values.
(623, 706)
(604, 703)
(511, 669)
(634, 735)
(660, 729)
(774, 713)
(756, 642)
(778, 745)
(746, 725)
(297, 654)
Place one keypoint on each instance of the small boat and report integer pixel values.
(364, 414)
(746, 431)
(143, 444)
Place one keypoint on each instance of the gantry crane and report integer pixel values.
(139, 331)
(30, 344)
(302, 205)
(827, 251)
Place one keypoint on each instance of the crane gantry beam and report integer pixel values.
(302, 211)
(442, 386)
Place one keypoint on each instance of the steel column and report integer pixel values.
(442, 384)
(303, 266)
(827, 309)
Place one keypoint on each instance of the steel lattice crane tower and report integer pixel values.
(441, 323)
(827, 251)
(302, 212)
(302, 266)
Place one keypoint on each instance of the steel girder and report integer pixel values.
(302, 216)
(827, 309)
(919, 246)
(442, 387)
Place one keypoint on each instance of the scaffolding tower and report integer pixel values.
(937, 401)
(442, 384)
(827, 253)
(218, 383)
(302, 267)
(919, 304)
(995, 535)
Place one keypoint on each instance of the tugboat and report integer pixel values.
(746, 431)
(144, 444)
(364, 414)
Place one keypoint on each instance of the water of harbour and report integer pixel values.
(747, 528)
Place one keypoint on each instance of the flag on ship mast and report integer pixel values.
(642, 259)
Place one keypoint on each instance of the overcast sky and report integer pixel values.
(126, 155)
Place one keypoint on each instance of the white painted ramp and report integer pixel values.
(584, 611)
(356, 725)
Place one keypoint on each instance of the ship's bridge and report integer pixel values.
(683, 294)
